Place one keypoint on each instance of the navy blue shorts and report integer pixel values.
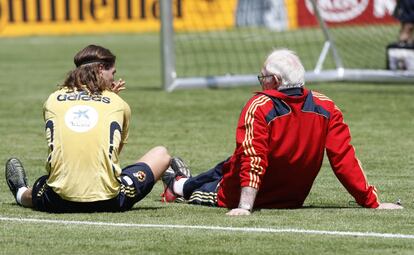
(404, 11)
(45, 199)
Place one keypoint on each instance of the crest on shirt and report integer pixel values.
(140, 176)
(81, 118)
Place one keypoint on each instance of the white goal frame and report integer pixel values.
(172, 81)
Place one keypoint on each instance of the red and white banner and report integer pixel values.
(347, 12)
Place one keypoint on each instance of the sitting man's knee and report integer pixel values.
(161, 150)
(162, 153)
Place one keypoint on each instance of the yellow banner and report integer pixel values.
(202, 15)
(292, 13)
(59, 17)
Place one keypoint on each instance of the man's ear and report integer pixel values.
(278, 80)
(275, 82)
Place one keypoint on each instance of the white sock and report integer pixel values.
(19, 194)
(179, 186)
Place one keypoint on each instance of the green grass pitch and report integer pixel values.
(199, 125)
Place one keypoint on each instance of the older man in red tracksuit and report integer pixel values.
(282, 134)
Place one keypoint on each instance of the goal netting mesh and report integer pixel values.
(227, 37)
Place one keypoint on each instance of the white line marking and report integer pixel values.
(234, 229)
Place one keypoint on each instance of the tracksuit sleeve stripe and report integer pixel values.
(255, 160)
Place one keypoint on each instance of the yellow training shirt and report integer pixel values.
(84, 133)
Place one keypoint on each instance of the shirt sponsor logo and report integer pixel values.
(339, 10)
(81, 118)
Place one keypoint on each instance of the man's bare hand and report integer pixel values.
(118, 86)
(389, 206)
(238, 212)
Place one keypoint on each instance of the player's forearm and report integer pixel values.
(247, 198)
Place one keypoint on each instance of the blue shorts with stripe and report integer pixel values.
(45, 199)
(202, 189)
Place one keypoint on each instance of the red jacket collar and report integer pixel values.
(283, 96)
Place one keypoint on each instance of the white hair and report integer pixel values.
(286, 65)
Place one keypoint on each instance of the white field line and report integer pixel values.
(214, 228)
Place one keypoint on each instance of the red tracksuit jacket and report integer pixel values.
(280, 145)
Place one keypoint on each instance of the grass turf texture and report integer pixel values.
(198, 125)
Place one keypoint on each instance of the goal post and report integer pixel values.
(222, 43)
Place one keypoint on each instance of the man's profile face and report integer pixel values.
(108, 74)
(268, 81)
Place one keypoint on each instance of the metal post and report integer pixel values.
(322, 57)
(329, 38)
(167, 44)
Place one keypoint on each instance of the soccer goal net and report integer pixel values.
(214, 43)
